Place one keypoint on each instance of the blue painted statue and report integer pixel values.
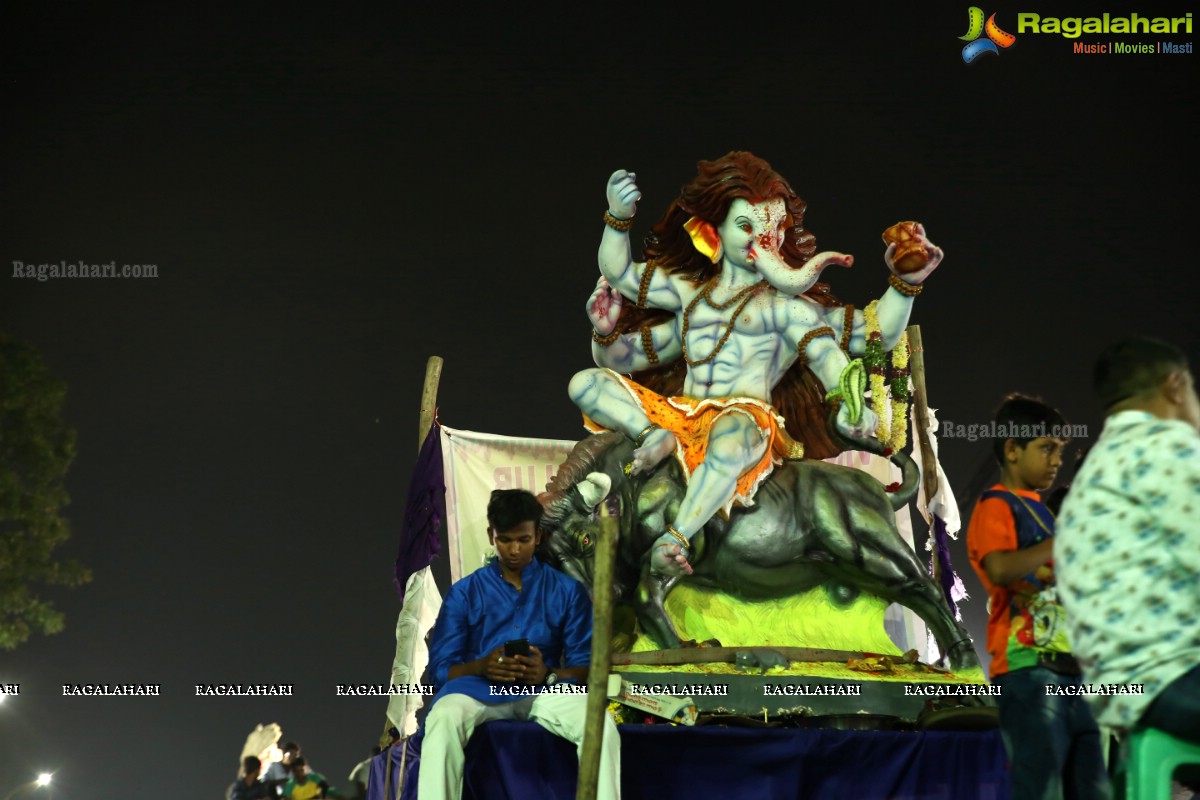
(735, 273)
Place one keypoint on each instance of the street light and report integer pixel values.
(37, 783)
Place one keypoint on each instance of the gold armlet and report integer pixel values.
(906, 289)
(616, 223)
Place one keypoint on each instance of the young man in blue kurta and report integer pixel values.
(513, 597)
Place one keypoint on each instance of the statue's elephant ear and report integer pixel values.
(594, 488)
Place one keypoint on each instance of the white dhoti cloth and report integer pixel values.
(454, 717)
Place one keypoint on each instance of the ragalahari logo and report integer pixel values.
(976, 27)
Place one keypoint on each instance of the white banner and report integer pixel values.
(474, 465)
(904, 626)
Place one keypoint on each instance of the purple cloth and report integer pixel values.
(941, 553)
(523, 761)
(420, 541)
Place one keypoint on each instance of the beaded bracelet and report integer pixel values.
(605, 340)
(906, 289)
(616, 223)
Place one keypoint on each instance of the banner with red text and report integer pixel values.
(474, 465)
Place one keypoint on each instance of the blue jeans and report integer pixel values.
(1053, 741)
(1176, 710)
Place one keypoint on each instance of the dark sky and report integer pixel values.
(330, 198)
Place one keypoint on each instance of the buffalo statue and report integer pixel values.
(812, 524)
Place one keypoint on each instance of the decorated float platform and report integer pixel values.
(787, 639)
(850, 690)
(522, 761)
(837, 711)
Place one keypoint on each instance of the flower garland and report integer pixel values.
(901, 397)
(884, 381)
(875, 361)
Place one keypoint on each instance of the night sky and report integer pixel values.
(330, 198)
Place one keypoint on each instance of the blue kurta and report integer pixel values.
(483, 611)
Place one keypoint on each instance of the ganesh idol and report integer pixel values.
(733, 343)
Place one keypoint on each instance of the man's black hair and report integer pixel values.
(299, 761)
(508, 508)
(251, 764)
(291, 746)
(1024, 414)
(1134, 366)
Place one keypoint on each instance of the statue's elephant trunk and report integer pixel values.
(792, 281)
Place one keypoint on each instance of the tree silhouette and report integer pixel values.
(36, 448)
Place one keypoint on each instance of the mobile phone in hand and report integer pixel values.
(516, 647)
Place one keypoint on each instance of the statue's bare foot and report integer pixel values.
(659, 444)
(667, 557)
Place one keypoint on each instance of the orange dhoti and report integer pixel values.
(692, 419)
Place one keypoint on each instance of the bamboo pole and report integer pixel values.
(929, 479)
(597, 697)
(428, 410)
(433, 376)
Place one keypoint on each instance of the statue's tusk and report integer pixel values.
(594, 488)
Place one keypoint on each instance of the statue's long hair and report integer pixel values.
(799, 397)
(734, 176)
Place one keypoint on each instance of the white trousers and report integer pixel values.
(454, 717)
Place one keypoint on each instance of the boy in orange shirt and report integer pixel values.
(1052, 740)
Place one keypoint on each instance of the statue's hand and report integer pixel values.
(863, 429)
(623, 194)
(918, 277)
(604, 306)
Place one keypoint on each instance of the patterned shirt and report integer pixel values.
(1128, 555)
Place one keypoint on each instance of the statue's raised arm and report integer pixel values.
(654, 289)
(911, 258)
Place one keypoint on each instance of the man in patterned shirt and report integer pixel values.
(1128, 544)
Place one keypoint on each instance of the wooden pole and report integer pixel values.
(428, 410)
(433, 376)
(929, 479)
(597, 698)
